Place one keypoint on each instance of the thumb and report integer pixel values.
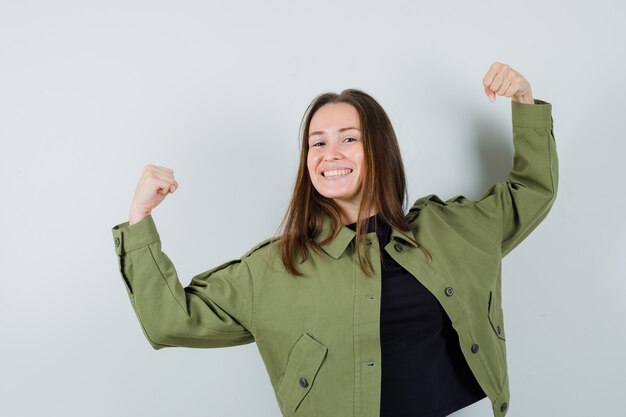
(490, 94)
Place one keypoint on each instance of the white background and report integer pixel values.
(90, 92)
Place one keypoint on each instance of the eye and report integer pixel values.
(317, 144)
(350, 138)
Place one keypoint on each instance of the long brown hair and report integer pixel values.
(383, 185)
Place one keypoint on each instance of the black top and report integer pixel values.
(424, 373)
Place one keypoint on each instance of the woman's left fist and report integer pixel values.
(505, 81)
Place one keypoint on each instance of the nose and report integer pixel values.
(332, 152)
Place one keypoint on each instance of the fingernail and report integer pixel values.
(173, 188)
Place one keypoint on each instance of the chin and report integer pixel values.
(335, 195)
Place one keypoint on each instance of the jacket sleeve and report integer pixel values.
(214, 310)
(519, 204)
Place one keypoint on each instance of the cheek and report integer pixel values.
(358, 160)
(311, 161)
(361, 167)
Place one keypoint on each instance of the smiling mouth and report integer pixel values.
(336, 173)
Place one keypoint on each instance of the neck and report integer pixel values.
(350, 216)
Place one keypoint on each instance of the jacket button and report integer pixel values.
(503, 407)
(398, 247)
(498, 330)
(117, 241)
(474, 348)
(449, 291)
(303, 382)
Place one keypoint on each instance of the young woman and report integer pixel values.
(358, 308)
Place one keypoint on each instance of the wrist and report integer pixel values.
(526, 98)
(137, 216)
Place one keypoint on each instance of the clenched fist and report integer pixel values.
(154, 185)
(505, 81)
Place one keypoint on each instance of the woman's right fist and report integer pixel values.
(154, 185)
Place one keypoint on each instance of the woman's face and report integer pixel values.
(335, 155)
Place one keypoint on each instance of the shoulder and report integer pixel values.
(262, 246)
(433, 201)
(264, 257)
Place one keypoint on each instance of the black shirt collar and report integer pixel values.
(383, 227)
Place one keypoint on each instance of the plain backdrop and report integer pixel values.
(90, 92)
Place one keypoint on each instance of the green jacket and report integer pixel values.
(319, 335)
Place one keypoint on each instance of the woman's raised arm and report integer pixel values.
(214, 310)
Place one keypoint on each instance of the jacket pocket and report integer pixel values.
(496, 317)
(120, 267)
(304, 362)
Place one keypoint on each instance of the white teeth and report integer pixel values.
(337, 172)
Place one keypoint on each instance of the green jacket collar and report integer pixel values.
(338, 245)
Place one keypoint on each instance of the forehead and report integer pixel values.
(334, 116)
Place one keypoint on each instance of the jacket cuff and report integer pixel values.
(137, 235)
(532, 115)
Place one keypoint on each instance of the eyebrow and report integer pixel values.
(343, 129)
